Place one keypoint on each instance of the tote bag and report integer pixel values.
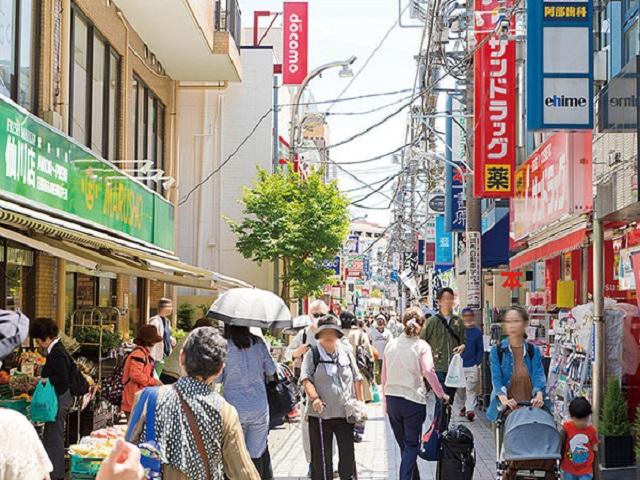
(455, 374)
(44, 404)
(150, 453)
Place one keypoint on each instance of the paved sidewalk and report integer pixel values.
(378, 456)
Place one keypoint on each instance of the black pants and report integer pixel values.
(322, 446)
(53, 436)
(263, 465)
(406, 419)
(448, 390)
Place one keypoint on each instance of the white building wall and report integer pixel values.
(211, 125)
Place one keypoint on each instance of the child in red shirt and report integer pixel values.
(580, 443)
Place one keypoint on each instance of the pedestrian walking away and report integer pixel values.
(333, 386)
(380, 337)
(466, 399)
(191, 409)
(408, 362)
(249, 364)
(446, 335)
(171, 370)
(579, 439)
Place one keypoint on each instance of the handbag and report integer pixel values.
(150, 453)
(431, 448)
(44, 403)
(282, 394)
(195, 431)
(355, 411)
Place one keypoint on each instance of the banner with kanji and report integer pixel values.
(494, 130)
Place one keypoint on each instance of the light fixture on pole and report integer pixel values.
(293, 127)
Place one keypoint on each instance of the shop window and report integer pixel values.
(106, 292)
(94, 88)
(148, 123)
(136, 303)
(18, 51)
(631, 41)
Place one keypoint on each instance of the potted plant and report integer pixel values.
(615, 429)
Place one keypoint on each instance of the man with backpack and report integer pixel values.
(445, 333)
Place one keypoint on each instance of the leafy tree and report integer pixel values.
(184, 316)
(301, 221)
(614, 421)
(636, 430)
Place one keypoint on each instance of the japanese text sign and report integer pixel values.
(296, 22)
(560, 83)
(494, 103)
(49, 171)
(553, 182)
(444, 243)
(455, 214)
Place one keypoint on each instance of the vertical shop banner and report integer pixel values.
(635, 262)
(560, 81)
(455, 213)
(474, 270)
(295, 31)
(494, 102)
(553, 182)
(444, 244)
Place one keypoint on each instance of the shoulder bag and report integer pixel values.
(446, 325)
(193, 425)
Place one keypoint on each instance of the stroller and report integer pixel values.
(528, 444)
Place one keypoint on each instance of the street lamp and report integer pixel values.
(293, 128)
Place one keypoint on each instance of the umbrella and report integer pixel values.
(299, 323)
(251, 307)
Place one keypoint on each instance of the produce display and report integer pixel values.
(4, 377)
(23, 383)
(88, 454)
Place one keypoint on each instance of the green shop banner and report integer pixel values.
(53, 172)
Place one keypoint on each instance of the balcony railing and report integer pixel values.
(228, 19)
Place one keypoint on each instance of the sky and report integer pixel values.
(337, 30)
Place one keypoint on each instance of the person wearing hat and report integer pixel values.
(330, 378)
(139, 367)
(467, 398)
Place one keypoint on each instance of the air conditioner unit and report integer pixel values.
(605, 200)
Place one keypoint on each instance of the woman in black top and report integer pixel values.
(56, 370)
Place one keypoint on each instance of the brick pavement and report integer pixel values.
(378, 456)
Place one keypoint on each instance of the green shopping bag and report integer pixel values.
(375, 393)
(44, 404)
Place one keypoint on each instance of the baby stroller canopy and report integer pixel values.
(530, 434)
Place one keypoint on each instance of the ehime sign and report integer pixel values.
(46, 169)
(494, 102)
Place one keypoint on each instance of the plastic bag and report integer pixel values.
(44, 404)
(455, 374)
(375, 393)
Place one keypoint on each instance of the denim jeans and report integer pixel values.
(571, 476)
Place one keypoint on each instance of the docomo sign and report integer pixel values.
(494, 102)
(553, 182)
(295, 31)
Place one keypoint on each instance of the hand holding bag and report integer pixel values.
(455, 373)
(44, 404)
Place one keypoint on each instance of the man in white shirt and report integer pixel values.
(161, 321)
(380, 336)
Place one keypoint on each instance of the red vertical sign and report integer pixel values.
(295, 31)
(635, 263)
(494, 157)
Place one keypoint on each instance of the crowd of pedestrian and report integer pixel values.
(338, 362)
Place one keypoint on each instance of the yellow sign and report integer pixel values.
(565, 11)
(497, 178)
(566, 294)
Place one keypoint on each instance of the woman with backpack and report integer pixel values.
(139, 367)
(333, 386)
(361, 346)
(408, 362)
(517, 373)
(57, 371)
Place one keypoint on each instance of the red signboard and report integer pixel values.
(635, 262)
(295, 33)
(494, 102)
(555, 181)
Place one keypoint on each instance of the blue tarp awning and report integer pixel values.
(495, 244)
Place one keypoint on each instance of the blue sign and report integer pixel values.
(444, 243)
(560, 79)
(332, 265)
(421, 252)
(394, 276)
(367, 266)
(455, 212)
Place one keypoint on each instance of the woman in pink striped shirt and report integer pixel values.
(407, 361)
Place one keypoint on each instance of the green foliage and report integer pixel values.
(185, 316)
(614, 421)
(178, 334)
(91, 335)
(303, 222)
(203, 309)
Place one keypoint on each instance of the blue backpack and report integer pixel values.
(150, 453)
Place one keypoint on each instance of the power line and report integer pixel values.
(348, 99)
(231, 155)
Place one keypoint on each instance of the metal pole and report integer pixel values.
(275, 163)
(598, 316)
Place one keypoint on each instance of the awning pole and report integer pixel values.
(598, 317)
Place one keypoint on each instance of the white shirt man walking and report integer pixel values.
(162, 323)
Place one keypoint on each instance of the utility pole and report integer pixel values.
(598, 314)
(474, 213)
(275, 161)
